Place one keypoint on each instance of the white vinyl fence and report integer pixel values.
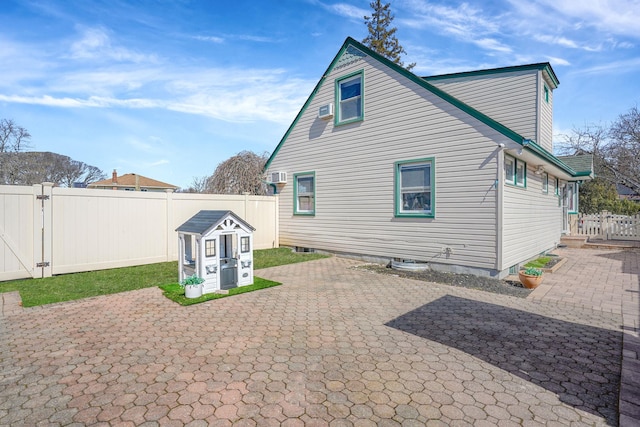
(608, 226)
(46, 230)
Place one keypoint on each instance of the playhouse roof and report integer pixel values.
(204, 221)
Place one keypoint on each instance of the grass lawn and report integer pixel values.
(175, 292)
(539, 262)
(68, 287)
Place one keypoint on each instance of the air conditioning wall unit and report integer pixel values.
(279, 177)
(325, 111)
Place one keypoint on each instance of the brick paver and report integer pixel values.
(333, 346)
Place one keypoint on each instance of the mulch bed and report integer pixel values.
(487, 284)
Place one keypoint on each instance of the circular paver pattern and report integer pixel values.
(332, 346)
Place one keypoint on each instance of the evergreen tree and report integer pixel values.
(382, 38)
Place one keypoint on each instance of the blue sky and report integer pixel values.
(169, 89)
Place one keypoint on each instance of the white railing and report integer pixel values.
(608, 226)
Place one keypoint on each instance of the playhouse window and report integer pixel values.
(349, 98)
(304, 193)
(244, 244)
(210, 248)
(414, 188)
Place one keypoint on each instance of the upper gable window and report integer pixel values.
(546, 94)
(349, 99)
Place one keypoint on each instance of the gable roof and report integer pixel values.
(206, 220)
(350, 43)
(545, 67)
(582, 164)
(132, 180)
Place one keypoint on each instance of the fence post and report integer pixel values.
(604, 224)
(169, 230)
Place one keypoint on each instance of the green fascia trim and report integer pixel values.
(295, 193)
(344, 47)
(514, 136)
(396, 186)
(336, 109)
(542, 66)
(544, 154)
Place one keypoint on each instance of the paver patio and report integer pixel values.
(332, 346)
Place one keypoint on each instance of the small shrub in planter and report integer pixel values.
(192, 286)
(530, 277)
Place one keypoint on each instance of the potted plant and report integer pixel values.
(530, 277)
(192, 286)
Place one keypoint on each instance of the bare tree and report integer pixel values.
(198, 185)
(239, 174)
(35, 167)
(615, 148)
(13, 139)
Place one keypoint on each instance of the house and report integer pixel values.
(454, 170)
(627, 193)
(218, 247)
(132, 182)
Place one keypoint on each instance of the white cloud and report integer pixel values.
(613, 16)
(347, 10)
(464, 22)
(212, 39)
(631, 65)
(95, 43)
(558, 61)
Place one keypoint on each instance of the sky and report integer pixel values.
(169, 89)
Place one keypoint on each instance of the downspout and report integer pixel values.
(272, 185)
(499, 184)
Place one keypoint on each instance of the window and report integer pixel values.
(557, 187)
(515, 171)
(304, 193)
(545, 182)
(349, 98)
(415, 188)
(210, 248)
(244, 244)
(572, 197)
(546, 94)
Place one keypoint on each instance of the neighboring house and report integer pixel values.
(132, 182)
(454, 170)
(627, 193)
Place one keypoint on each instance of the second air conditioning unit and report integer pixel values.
(279, 177)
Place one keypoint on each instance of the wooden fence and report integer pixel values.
(46, 230)
(606, 225)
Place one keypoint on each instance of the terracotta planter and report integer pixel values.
(529, 281)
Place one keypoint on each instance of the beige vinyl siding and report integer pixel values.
(354, 170)
(509, 99)
(532, 220)
(545, 122)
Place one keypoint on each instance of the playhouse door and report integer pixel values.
(228, 262)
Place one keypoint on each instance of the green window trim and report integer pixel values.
(515, 172)
(403, 195)
(357, 100)
(546, 93)
(557, 187)
(309, 194)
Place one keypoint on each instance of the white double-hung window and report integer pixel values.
(349, 99)
(415, 188)
(304, 193)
